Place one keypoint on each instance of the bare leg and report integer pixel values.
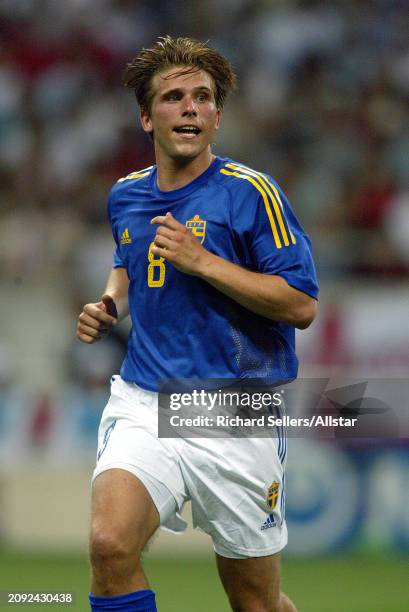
(123, 519)
(253, 585)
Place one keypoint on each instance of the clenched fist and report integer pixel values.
(96, 320)
(175, 243)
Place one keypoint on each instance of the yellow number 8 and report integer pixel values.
(155, 262)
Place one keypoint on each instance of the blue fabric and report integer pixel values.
(182, 327)
(139, 601)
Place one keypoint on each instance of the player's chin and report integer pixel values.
(188, 150)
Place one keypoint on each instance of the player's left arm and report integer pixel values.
(267, 295)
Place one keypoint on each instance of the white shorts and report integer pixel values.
(236, 485)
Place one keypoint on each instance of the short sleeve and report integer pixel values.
(278, 244)
(117, 261)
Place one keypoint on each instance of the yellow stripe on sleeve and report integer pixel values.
(293, 240)
(278, 207)
(133, 175)
(265, 200)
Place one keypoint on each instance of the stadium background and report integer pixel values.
(322, 105)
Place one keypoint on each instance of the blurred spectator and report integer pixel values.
(332, 125)
(322, 105)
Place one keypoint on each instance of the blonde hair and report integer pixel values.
(186, 53)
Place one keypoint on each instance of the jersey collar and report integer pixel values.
(177, 194)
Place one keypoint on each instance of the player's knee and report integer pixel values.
(107, 549)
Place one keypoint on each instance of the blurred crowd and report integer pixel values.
(322, 106)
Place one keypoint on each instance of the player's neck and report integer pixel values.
(175, 174)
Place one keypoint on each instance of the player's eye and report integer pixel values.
(202, 97)
(172, 97)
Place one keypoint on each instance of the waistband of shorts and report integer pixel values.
(133, 387)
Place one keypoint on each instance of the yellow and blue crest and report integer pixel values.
(197, 226)
(272, 494)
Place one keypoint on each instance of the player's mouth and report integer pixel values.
(188, 131)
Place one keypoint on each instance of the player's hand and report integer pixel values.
(96, 320)
(175, 243)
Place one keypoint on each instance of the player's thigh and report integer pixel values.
(251, 579)
(123, 515)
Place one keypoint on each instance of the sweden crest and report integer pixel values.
(272, 494)
(198, 227)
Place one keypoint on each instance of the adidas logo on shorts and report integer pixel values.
(270, 522)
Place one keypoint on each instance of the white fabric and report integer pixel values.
(226, 479)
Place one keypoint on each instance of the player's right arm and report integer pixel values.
(97, 319)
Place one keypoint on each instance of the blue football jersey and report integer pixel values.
(182, 327)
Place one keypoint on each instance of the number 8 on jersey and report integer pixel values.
(155, 261)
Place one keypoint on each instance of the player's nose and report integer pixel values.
(189, 106)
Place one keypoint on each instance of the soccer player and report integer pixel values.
(216, 273)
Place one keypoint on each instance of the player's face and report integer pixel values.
(183, 114)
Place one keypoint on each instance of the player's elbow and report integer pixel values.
(305, 313)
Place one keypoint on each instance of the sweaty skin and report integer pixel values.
(181, 100)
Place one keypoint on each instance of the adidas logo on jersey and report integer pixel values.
(269, 523)
(125, 238)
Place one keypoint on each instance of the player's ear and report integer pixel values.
(146, 121)
(218, 119)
